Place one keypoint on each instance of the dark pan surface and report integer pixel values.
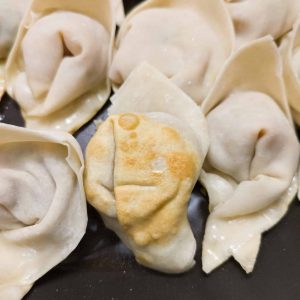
(102, 268)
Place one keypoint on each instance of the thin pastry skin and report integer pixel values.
(289, 49)
(183, 51)
(258, 18)
(250, 169)
(141, 167)
(11, 13)
(43, 208)
(290, 53)
(152, 171)
(61, 82)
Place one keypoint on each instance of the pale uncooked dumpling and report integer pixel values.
(43, 212)
(187, 40)
(57, 70)
(290, 52)
(255, 19)
(11, 13)
(141, 167)
(250, 169)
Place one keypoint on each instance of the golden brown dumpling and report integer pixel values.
(141, 167)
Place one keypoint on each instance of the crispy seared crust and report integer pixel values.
(141, 172)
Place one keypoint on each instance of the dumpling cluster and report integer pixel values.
(202, 92)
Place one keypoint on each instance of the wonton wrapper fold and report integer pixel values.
(59, 81)
(11, 13)
(142, 165)
(190, 52)
(290, 52)
(42, 207)
(254, 19)
(250, 169)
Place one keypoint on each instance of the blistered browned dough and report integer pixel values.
(154, 171)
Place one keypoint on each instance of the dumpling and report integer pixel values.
(290, 52)
(57, 70)
(255, 19)
(187, 40)
(141, 167)
(11, 12)
(250, 168)
(43, 212)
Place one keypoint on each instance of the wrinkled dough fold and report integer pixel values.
(57, 66)
(57, 71)
(258, 18)
(183, 51)
(290, 53)
(42, 205)
(11, 13)
(250, 169)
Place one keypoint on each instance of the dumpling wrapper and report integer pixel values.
(290, 52)
(255, 19)
(43, 213)
(142, 165)
(118, 9)
(57, 70)
(11, 13)
(187, 40)
(250, 169)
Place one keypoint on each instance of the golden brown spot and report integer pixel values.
(181, 165)
(149, 156)
(133, 135)
(142, 238)
(96, 150)
(171, 133)
(129, 121)
(130, 161)
(127, 146)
